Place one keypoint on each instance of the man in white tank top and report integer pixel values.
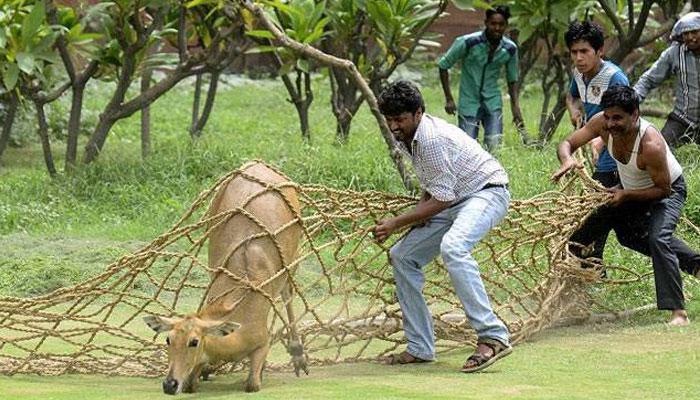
(645, 210)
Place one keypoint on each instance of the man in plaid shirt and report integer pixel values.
(465, 194)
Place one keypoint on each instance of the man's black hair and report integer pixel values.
(400, 97)
(503, 10)
(588, 31)
(620, 96)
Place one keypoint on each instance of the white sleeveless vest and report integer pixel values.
(631, 176)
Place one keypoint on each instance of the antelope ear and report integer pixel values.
(159, 324)
(220, 328)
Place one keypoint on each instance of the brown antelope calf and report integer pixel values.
(234, 323)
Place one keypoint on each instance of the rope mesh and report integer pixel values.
(344, 298)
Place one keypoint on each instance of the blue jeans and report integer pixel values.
(453, 233)
(492, 123)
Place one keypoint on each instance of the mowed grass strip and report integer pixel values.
(641, 358)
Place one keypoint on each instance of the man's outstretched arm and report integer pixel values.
(577, 139)
(655, 75)
(426, 208)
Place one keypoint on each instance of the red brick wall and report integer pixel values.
(457, 23)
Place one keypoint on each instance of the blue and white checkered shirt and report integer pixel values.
(449, 164)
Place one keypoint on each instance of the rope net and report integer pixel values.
(343, 291)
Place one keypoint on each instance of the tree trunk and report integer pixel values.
(553, 119)
(295, 96)
(302, 102)
(195, 104)
(303, 111)
(342, 129)
(637, 33)
(529, 54)
(108, 116)
(546, 96)
(146, 77)
(201, 122)
(300, 105)
(44, 136)
(74, 126)
(78, 82)
(344, 102)
(146, 115)
(98, 138)
(8, 122)
(117, 109)
(554, 81)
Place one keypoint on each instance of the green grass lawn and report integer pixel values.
(58, 232)
(641, 358)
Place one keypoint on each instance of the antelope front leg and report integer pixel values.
(295, 348)
(257, 362)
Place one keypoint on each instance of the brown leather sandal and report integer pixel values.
(479, 361)
(404, 358)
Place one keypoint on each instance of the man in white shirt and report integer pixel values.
(645, 210)
(465, 194)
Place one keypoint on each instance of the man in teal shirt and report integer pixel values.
(482, 55)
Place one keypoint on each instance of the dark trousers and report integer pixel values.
(677, 132)
(608, 179)
(647, 227)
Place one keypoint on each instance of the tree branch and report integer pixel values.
(52, 96)
(155, 91)
(182, 33)
(641, 21)
(664, 29)
(88, 72)
(402, 59)
(610, 13)
(61, 43)
(630, 16)
(352, 69)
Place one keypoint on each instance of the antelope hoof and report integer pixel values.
(300, 364)
(296, 350)
(251, 387)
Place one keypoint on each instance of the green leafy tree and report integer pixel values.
(205, 19)
(377, 36)
(258, 14)
(303, 21)
(636, 24)
(26, 42)
(26, 58)
(136, 27)
(78, 48)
